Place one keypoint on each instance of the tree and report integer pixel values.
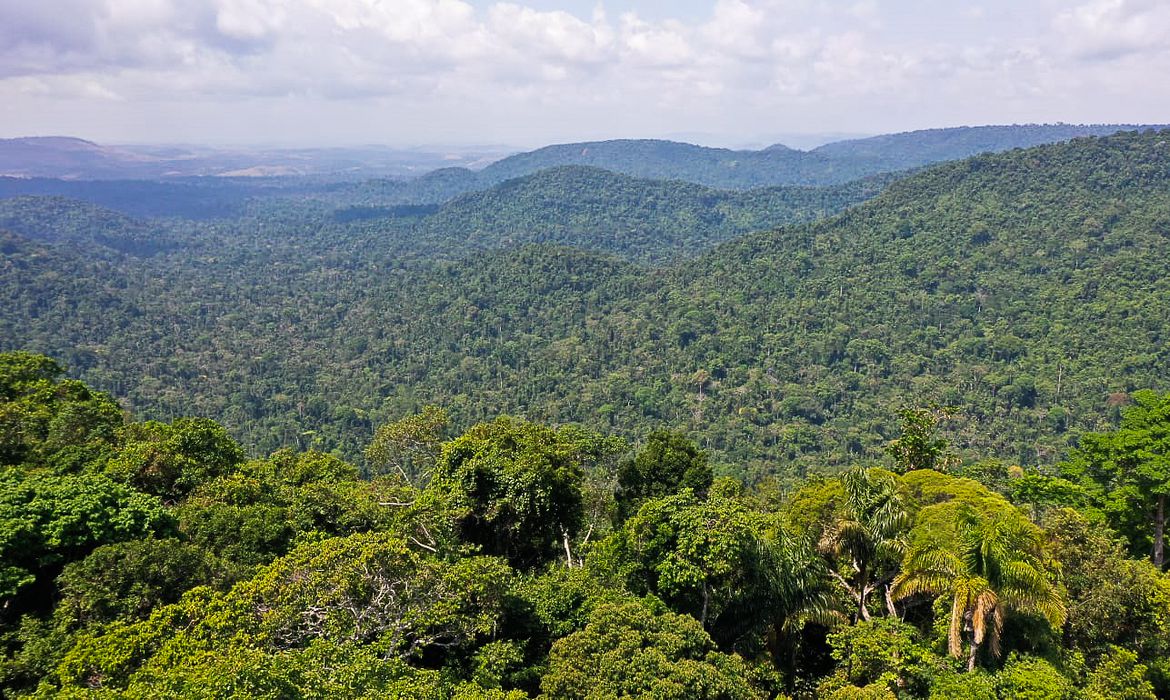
(128, 580)
(734, 569)
(919, 446)
(992, 566)
(169, 460)
(634, 650)
(409, 445)
(48, 520)
(885, 652)
(516, 487)
(666, 464)
(46, 421)
(1128, 471)
(1119, 676)
(1112, 600)
(869, 535)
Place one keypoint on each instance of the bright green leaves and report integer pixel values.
(47, 520)
(49, 422)
(366, 596)
(633, 650)
(170, 460)
(516, 487)
(1128, 471)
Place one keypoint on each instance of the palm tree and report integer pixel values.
(992, 567)
(870, 535)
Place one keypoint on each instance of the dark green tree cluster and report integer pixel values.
(154, 560)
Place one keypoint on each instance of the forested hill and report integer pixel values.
(832, 164)
(643, 220)
(829, 164)
(915, 148)
(1026, 288)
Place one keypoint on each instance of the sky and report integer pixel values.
(530, 72)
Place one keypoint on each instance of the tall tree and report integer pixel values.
(869, 537)
(665, 465)
(1128, 471)
(992, 566)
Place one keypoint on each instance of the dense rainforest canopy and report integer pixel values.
(1026, 290)
(156, 560)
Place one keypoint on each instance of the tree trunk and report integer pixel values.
(971, 655)
(706, 602)
(1160, 531)
(890, 607)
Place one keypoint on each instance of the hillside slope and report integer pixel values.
(1028, 289)
(644, 220)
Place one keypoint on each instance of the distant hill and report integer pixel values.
(779, 165)
(915, 148)
(644, 220)
(77, 159)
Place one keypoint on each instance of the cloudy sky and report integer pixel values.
(402, 72)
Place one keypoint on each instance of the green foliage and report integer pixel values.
(1128, 472)
(128, 580)
(633, 650)
(919, 446)
(171, 460)
(408, 446)
(1119, 676)
(882, 653)
(963, 686)
(1112, 600)
(47, 421)
(48, 520)
(1031, 678)
(517, 486)
(990, 564)
(666, 464)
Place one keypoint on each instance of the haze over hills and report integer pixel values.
(1013, 286)
(78, 159)
(469, 169)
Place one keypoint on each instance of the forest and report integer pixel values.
(517, 559)
(597, 421)
(1022, 292)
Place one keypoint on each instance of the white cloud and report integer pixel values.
(503, 65)
(1109, 29)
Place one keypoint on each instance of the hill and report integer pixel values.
(916, 148)
(644, 220)
(70, 158)
(1027, 288)
(827, 165)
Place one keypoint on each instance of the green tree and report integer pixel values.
(129, 580)
(1119, 676)
(515, 487)
(48, 520)
(885, 652)
(169, 460)
(920, 446)
(993, 566)
(869, 537)
(409, 446)
(1128, 470)
(665, 465)
(633, 650)
(1113, 601)
(1031, 678)
(50, 422)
